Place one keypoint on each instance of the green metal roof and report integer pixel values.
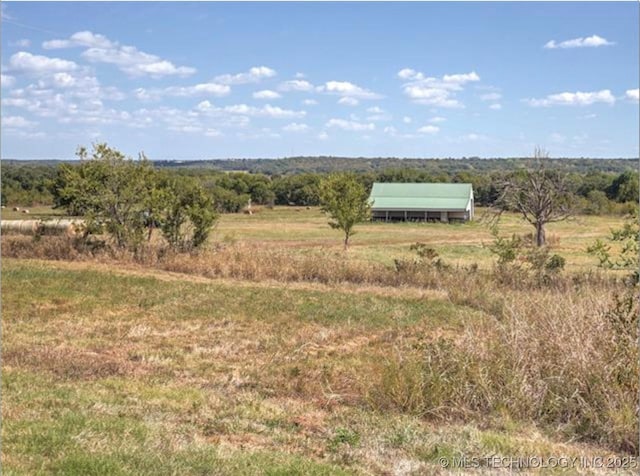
(420, 196)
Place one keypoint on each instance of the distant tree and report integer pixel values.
(625, 187)
(346, 201)
(539, 194)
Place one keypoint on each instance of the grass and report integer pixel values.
(302, 230)
(273, 352)
(137, 371)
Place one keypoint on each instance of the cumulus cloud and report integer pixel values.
(578, 98)
(461, 78)
(134, 62)
(295, 127)
(350, 125)
(246, 110)
(633, 94)
(588, 42)
(309, 102)
(296, 85)
(24, 62)
(437, 119)
(347, 89)
(81, 38)
(348, 101)
(128, 59)
(496, 107)
(437, 92)
(407, 120)
(201, 89)
(266, 94)
(491, 97)
(254, 75)
(429, 130)
(323, 136)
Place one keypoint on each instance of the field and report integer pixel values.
(118, 368)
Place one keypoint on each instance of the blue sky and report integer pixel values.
(216, 80)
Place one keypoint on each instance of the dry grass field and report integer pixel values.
(235, 362)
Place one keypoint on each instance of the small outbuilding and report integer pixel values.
(443, 202)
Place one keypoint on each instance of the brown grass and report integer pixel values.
(556, 351)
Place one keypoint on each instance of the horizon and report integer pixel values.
(328, 157)
(351, 80)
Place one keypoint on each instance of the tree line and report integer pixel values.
(594, 191)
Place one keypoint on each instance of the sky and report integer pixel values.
(233, 80)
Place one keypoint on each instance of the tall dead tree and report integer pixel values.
(541, 195)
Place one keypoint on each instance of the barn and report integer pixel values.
(443, 202)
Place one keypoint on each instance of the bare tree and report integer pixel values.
(539, 194)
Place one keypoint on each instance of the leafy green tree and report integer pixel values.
(111, 191)
(625, 187)
(186, 212)
(346, 201)
(620, 250)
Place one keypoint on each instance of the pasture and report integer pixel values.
(121, 368)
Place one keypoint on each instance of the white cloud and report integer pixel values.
(296, 85)
(491, 97)
(461, 78)
(588, 42)
(81, 38)
(350, 125)
(295, 127)
(574, 99)
(431, 96)
(323, 136)
(266, 94)
(136, 63)
(309, 102)
(429, 130)
(201, 89)
(348, 101)
(633, 94)
(407, 120)
(496, 107)
(254, 75)
(16, 122)
(408, 73)
(35, 64)
(128, 59)
(557, 138)
(7, 81)
(437, 119)
(347, 89)
(245, 110)
(437, 92)
(375, 110)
